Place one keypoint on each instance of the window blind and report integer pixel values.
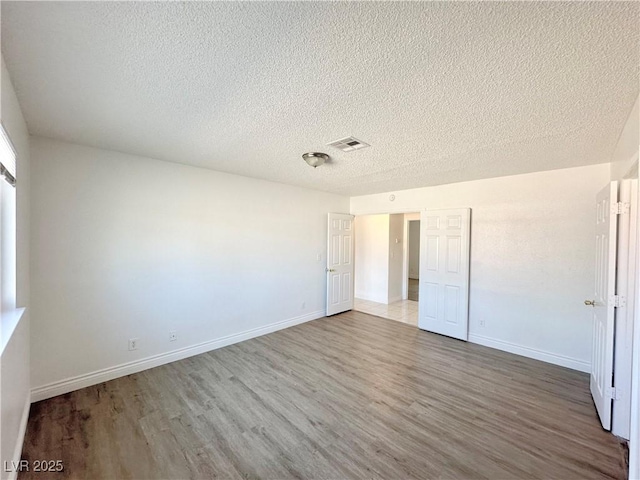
(7, 158)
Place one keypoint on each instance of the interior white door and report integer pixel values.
(340, 263)
(444, 272)
(603, 302)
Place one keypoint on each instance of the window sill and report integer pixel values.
(10, 320)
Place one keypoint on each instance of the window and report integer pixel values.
(9, 316)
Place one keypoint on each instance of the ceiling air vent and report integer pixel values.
(348, 144)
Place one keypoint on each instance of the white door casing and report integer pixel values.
(603, 302)
(624, 314)
(340, 266)
(444, 272)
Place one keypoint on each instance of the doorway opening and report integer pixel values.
(382, 266)
(413, 260)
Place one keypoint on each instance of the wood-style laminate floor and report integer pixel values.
(351, 396)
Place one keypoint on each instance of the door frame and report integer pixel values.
(624, 316)
(408, 217)
(634, 433)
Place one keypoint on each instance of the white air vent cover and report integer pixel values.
(348, 144)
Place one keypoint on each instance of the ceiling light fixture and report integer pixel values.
(315, 159)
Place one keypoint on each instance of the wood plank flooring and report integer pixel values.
(351, 396)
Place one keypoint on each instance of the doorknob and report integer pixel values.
(590, 302)
(330, 270)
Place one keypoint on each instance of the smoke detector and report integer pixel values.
(349, 144)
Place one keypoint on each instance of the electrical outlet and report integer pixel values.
(173, 336)
(482, 323)
(133, 344)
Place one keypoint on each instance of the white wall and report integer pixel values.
(414, 249)
(625, 156)
(14, 359)
(532, 265)
(396, 243)
(372, 258)
(129, 247)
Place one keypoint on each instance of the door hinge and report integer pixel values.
(620, 208)
(618, 301)
(614, 393)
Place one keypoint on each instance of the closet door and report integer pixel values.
(444, 272)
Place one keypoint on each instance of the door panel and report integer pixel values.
(432, 253)
(453, 254)
(603, 310)
(444, 272)
(346, 287)
(452, 303)
(340, 263)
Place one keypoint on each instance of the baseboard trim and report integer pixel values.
(17, 452)
(81, 381)
(536, 354)
(395, 299)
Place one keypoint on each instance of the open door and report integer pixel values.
(444, 272)
(604, 302)
(340, 263)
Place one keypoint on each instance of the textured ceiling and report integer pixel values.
(443, 92)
